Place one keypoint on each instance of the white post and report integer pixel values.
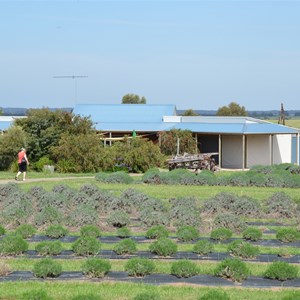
(220, 151)
(244, 152)
(297, 149)
(178, 143)
(110, 139)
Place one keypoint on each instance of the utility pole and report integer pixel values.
(281, 119)
(75, 82)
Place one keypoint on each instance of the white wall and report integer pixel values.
(232, 151)
(282, 145)
(258, 150)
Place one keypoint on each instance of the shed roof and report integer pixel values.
(139, 113)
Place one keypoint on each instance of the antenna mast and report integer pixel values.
(75, 82)
(281, 119)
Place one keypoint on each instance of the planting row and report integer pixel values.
(230, 268)
(90, 205)
(83, 246)
(183, 233)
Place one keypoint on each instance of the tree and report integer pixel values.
(133, 99)
(1, 111)
(168, 141)
(233, 109)
(190, 112)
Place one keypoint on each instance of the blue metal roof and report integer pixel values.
(149, 118)
(127, 113)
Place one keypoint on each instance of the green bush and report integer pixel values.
(252, 234)
(163, 247)
(86, 297)
(184, 268)
(152, 218)
(281, 205)
(281, 270)
(13, 245)
(203, 247)
(230, 221)
(123, 232)
(96, 268)
(56, 231)
(47, 267)
(25, 231)
(118, 219)
(221, 234)
(36, 295)
(116, 177)
(288, 235)
(187, 233)
(234, 269)
(2, 230)
(43, 161)
(90, 230)
(215, 295)
(86, 246)
(243, 249)
(139, 267)
(49, 248)
(156, 232)
(147, 296)
(152, 176)
(126, 246)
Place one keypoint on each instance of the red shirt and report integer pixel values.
(21, 155)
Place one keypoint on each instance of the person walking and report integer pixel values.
(22, 163)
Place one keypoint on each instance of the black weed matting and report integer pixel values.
(214, 256)
(157, 279)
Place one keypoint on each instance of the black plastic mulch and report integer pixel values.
(214, 256)
(158, 279)
(140, 239)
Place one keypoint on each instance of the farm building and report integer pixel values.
(240, 141)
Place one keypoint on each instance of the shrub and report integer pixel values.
(86, 246)
(82, 215)
(49, 248)
(126, 246)
(147, 296)
(221, 234)
(4, 269)
(184, 268)
(243, 249)
(233, 269)
(25, 231)
(49, 215)
(139, 267)
(230, 221)
(187, 233)
(116, 177)
(47, 267)
(215, 295)
(203, 247)
(281, 205)
(239, 179)
(288, 235)
(36, 295)
(96, 268)
(2, 230)
(89, 189)
(252, 234)
(163, 247)
(90, 230)
(123, 232)
(152, 218)
(157, 232)
(118, 219)
(13, 245)
(281, 270)
(152, 176)
(56, 231)
(245, 206)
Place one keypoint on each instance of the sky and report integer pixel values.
(193, 54)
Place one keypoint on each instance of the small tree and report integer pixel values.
(233, 109)
(133, 99)
(189, 112)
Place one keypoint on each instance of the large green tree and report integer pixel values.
(233, 109)
(133, 99)
(190, 112)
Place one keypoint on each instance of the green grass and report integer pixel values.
(127, 291)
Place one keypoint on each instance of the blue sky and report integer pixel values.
(194, 54)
